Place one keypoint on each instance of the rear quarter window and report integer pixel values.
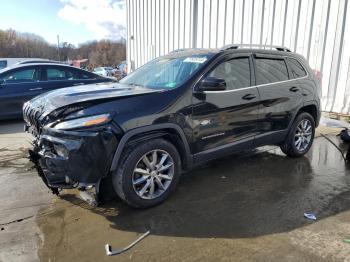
(297, 70)
(270, 70)
(87, 75)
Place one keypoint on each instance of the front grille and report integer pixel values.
(31, 116)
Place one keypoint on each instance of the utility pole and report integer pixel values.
(58, 47)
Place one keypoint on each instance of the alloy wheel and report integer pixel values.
(153, 174)
(303, 135)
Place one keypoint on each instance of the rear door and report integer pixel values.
(226, 118)
(280, 95)
(63, 76)
(298, 72)
(18, 86)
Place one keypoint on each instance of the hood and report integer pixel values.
(72, 95)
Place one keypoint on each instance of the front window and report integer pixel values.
(166, 72)
(20, 76)
(235, 72)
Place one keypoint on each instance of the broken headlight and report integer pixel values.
(84, 122)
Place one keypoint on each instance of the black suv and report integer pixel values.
(173, 113)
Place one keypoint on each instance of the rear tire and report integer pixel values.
(148, 173)
(300, 136)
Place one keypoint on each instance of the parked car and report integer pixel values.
(21, 83)
(40, 62)
(171, 114)
(8, 62)
(103, 71)
(121, 70)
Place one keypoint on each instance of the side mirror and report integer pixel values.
(212, 84)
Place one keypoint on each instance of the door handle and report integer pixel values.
(37, 88)
(248, 97)
(294, 89)
(78, 84)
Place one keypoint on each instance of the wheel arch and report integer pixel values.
(171, 132)
(312, 109)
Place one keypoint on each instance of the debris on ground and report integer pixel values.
(111, 252)
(89, 198)
(347, 241)
(310, 216)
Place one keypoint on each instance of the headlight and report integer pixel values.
(84, 122)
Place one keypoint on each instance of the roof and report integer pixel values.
(236, 48)
(39, 64)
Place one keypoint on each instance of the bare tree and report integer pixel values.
(99, 53)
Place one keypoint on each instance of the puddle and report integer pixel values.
(261, 194)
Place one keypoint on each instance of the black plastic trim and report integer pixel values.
(224, 150)
(140, 130)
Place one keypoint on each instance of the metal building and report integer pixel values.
(317, 29)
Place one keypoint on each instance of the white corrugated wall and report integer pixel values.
(317, 29)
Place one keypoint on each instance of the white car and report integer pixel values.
(9, 62)
(103, 71)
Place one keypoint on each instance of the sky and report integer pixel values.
(75, 21)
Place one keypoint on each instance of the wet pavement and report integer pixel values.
(246, 207)
(22, 195)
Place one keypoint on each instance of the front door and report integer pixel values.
(18, 86)
(225, 119)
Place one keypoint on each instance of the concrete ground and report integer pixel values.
(246, 207)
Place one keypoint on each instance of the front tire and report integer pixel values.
(300, 136)
(148, 173)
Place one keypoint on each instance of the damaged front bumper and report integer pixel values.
(73, 159)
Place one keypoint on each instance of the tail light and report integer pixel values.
(318, 76)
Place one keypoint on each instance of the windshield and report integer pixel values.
(166, 72)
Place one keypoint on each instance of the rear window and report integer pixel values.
(54, 73)
(87, 75)
(297, 70)
(271, 70)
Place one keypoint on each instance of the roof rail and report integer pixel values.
(236, 46)
(179, 50)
